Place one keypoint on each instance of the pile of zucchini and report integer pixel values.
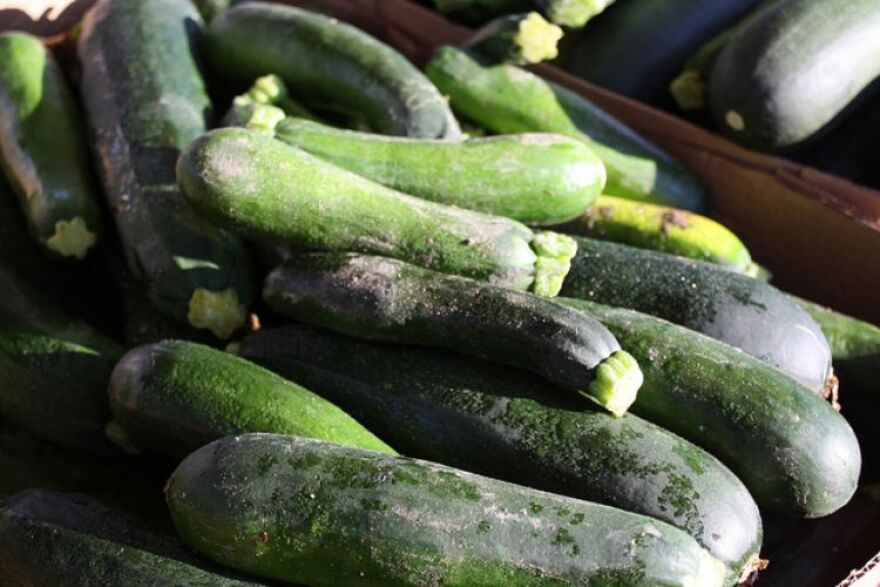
(373, 326)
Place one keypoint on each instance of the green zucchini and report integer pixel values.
(43, 148)
(757, 420)
(384, 299)
(270, 191)
(508, 424)
(281, 507)
(521, 39)
(175, 396)
(328, 63)
(146, 100)
(660, 228)
(507, 99)
(49, 539)
(534, 178)
(723, 304)
(793, 69)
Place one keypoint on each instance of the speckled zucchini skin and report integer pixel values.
(273, 192)
(536, 178)
(507, 99)
(507, 424)
(329, 63)
(281, 507)
(728, 306)
(50, 539)
(176, 396)
(43, 148)
(757, 420)
(146, 100)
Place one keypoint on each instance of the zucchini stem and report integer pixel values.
(573, 13)
(555, 252)
(617, 382)
(689, 90)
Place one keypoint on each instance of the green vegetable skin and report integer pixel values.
(176, 396)
(535, 178)
(507, 99)
(754, 418)
(508, 424)
(49, 539)
(272, 192)
(146, 100)
(281, 507)
(331, 64)
(794, 68)
(521, 39)
(660, 228)
(723, 304)
(43, 148)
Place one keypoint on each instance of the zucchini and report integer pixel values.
(175, 396)
(507, 99)
(793, 69)
(521, 39)
(757, 420)
(19, 251)
(723, 304)
(383, 299)
(661, 228)
(272, 192)
(534, 178)
(42, 148)
(49, 539)
(281, 507)
(508, 424)
(331, 64)
(146, 100)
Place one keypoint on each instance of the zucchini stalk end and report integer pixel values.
(617, 382)
(554, 252)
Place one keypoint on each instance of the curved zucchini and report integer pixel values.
(387, 300)
(273, 192)
(331, 64)
(521, 39)
(660, 228)
(507, 424)
(506, 99)
(725, 305)
(793, 69)
(49, 539)
(281, 507)
(43, 148)
(175, 396)
(757, 420)
(146, 100)
(534, 178)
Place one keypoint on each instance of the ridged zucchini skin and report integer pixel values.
(43, 148)
(757, 420)
(146, 100)
(383, 299)
(507, 99)
(535, 178)
(281, 507)
(50, 539)
(510, 425)
(793, 69)
(175, 396)
(272, 192)
(329, 63)
(723, 304)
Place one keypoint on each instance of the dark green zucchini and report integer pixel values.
(757, 420)
(281, 507)
(175, 396)
(506, 99)
(793, 69)
(272, 192)
(508, 424)
(384, 299)
(728, 306)
(43, 148)
(535, 178)
(329, 63)
(50, 539)
(521, 39)
(146, 100)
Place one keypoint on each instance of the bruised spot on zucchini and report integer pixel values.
(220, 312)
(72, 238)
